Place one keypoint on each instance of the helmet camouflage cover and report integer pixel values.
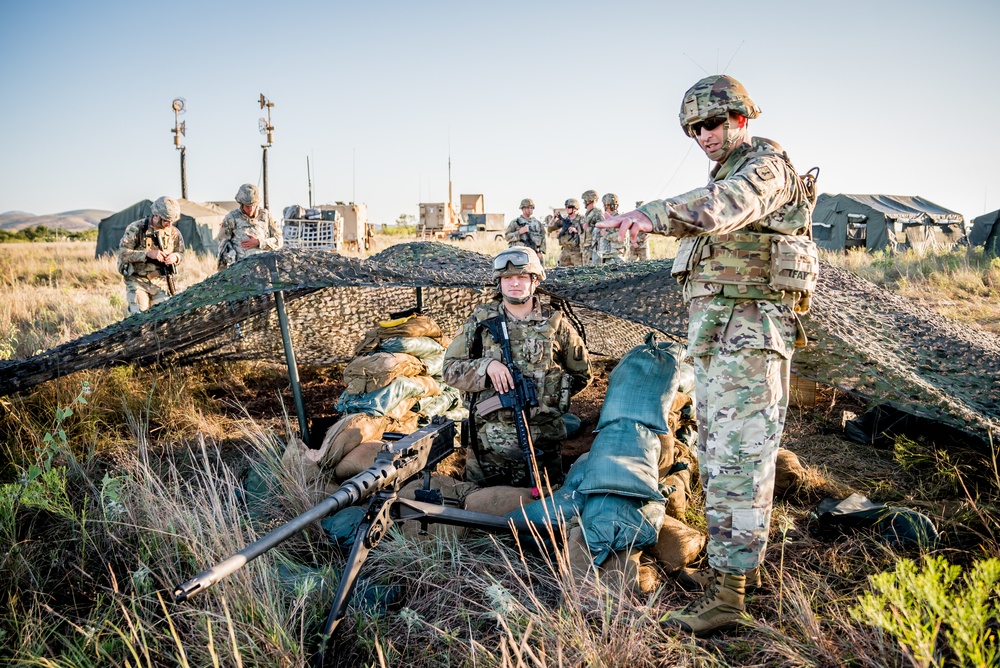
(572, 202)
(516, 261)
(527, 201)
(589, 196)
(167, 209)
(716, 96)
(248, 195)
(610, 201)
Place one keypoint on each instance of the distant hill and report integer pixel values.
(73, 221)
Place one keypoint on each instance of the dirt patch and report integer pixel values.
(587, 406)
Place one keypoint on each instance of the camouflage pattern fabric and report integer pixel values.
(545, 347)
(639, 252)
(145, 285)
(237, 227)
(141, 293)
(607, 246)
(863, 339)
(570, 249)
(588, 244)
(535, 238)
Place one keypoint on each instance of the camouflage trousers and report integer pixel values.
(570, 257)
(638, 254)
(611, 259)
(742, 399)
(141, 293)
(501, 462)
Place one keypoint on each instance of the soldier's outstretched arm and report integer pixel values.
(629, 225)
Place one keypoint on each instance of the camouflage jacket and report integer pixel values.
(755, 191)
(545, 347)
(606, 242)
(237, 227)
(591, 218)
(535, 237)
(566, 238)
(138, 240)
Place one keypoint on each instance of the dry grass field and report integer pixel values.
(118, 484)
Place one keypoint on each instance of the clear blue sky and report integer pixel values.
(537, 99)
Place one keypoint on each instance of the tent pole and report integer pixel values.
(286, 340)
(184, 180)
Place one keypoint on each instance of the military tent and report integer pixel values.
(986, 232)
(198, 225)
(879, 222)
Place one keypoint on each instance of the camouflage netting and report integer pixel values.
(863, 339)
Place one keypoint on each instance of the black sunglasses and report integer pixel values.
(709, 124)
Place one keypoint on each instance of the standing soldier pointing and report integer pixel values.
(739, 235)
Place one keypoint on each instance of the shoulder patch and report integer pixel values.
(764, 172)
(459, 331)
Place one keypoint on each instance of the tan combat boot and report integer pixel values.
(698, 579)
(720, 608)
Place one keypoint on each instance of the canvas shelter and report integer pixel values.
(879, 222)
(198, 225)
(986, 232)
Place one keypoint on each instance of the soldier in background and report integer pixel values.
(593, 215)
(545, 347)
(526, 230)
(741, 331)
(247, 230)
(608, 248)
(570, 234)
(148, 254)
(638, 251)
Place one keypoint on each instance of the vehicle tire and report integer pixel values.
(467, 237)
(499, 237)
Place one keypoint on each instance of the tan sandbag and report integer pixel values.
(407, 424)
(318, 494)
(429, 386)
(580, 560)
(666, 454)
(402, 408)
(295, 459)
(677, 501)
(649, 575)
(416, 325)
(677, 545)
(498, 500)
(789, 473)
(620, 571)
(357, 460)
(368, 373)
(346, 434)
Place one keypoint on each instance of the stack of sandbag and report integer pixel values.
(397, 373)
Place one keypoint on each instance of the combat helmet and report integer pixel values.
(589, 196)
(166, 208)
(527, 201)
(515, 261)
(610, 201)
(715, 96)
(572, 202)
(248, 195)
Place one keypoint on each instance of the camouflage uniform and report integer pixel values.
(740, 335)
(237, 227)
(589, 241)
(641, 250)
(607, 247)
(545, 347)
(570, 253)
(145, 284)
(535, 238)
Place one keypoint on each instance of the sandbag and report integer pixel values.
(623, 461)
(641, 387)
(613, 523)
(369, 373)
(677, 545)
(427, 350)
(564, 504)
(385, 400)
(666, 458)
(447, 399)
(295, 459)
(677, 500)
(357, 460)
(500, 500)
(294, 212)
(789, 473)
(344, 436)
(412, 327)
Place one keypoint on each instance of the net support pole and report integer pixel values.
(286, 340)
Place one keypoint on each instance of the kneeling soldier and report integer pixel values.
(148, 255)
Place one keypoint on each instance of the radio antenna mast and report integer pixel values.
(178, 106)
(266, 129)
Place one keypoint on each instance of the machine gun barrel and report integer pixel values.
(424, 448)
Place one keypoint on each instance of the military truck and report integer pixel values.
(480, 226)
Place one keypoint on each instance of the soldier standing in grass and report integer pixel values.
(608, 248)
(593, 215)
(545, 347)
(742, 330)
(639, 250)
(526, 230)
(148, 253)
(569, 229)
(247, 230)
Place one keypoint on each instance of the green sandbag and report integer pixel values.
(642, 387)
